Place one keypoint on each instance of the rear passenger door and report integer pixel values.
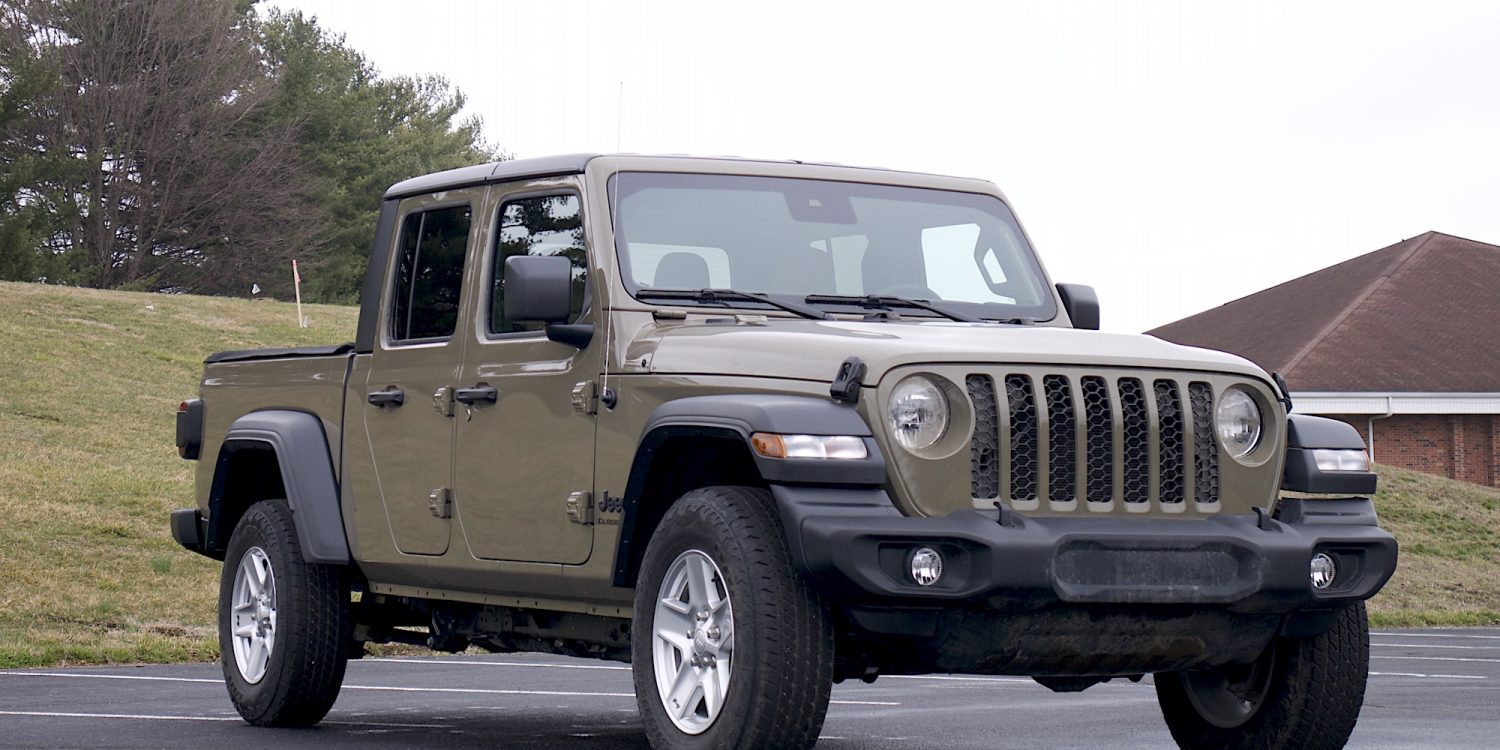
(408, 407)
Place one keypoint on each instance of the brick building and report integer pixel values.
(1403, 343)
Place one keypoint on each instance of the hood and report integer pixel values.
(813, 349)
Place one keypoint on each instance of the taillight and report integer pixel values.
(190, 428)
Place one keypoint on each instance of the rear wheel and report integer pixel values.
(283, 623)
(731, 649)
(1301, 693)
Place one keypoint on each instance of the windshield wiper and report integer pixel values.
(881, 302)
(725, 296)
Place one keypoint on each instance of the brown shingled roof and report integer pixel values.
(1421, 315)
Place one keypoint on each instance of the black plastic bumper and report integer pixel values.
(856, 552)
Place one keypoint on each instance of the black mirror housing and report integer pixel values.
(1082, 304)
(538, 289)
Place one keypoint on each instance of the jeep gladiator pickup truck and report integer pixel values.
(759, 427)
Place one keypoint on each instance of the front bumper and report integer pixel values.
(857, 554)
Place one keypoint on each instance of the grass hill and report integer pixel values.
(89, 383)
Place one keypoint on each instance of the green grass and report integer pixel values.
(1449, 573)
(89, 383)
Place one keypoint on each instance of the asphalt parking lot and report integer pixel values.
(1428, 688)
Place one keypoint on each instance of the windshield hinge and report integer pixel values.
(846, 383)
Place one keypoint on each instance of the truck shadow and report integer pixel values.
(457, 730)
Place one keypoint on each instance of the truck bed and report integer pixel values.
(309, 379)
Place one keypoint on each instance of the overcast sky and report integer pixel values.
(1173, 155)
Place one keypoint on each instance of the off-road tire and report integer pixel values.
(783, 649)
(307, 661)
(1317, 687)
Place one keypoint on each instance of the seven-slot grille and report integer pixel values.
(1093, 441)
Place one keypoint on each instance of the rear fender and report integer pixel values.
(305, 464)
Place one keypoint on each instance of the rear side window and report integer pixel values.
(538, 225)
(429, 273)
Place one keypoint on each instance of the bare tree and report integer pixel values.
(175, 175)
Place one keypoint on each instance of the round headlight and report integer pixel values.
(1238, 420)
(918, 413)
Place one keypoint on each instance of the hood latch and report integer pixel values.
(846, 384)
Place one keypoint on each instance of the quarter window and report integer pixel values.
(429, 273)
(539, 225)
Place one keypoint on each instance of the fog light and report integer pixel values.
(926, 566)
(1323, 571)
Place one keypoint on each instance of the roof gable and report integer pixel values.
(1420, 315)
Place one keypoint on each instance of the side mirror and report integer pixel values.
(1082, 305)
(539, 289)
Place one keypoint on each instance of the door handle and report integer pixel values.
(469, 396)
(392, 396)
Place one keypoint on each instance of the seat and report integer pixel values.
(680, 270)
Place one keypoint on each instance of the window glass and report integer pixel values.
(948, 256)
(686, 267)
(429, 273)
(793, 238)
(540, 225)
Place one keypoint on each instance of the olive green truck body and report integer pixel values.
(488, 462)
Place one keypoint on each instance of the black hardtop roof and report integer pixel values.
(545, 166)
(512, 169)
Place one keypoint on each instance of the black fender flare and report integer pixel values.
(307, 473)
(744, 415)
(737, 417)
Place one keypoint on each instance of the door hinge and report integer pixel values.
(442, 400)
(580, 507)
(440, 502)
(586, 397)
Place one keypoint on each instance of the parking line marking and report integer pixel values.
(388, 688)
(149, 678)
(494, 663)
(154, 717)
(957, 678)
(489, 691)
(1438, 658)
(394, 689)
(1435, 645)
(1442, 676)
(626, 669)
(167, 717)
(1435, 635)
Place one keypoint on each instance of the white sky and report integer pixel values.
(1175, 155)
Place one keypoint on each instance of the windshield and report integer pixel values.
(792, 239)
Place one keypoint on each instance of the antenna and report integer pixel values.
(619, 115)
(614, 213)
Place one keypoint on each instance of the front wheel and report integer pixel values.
(730, 648)
(283, 623)
(1302, 693)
